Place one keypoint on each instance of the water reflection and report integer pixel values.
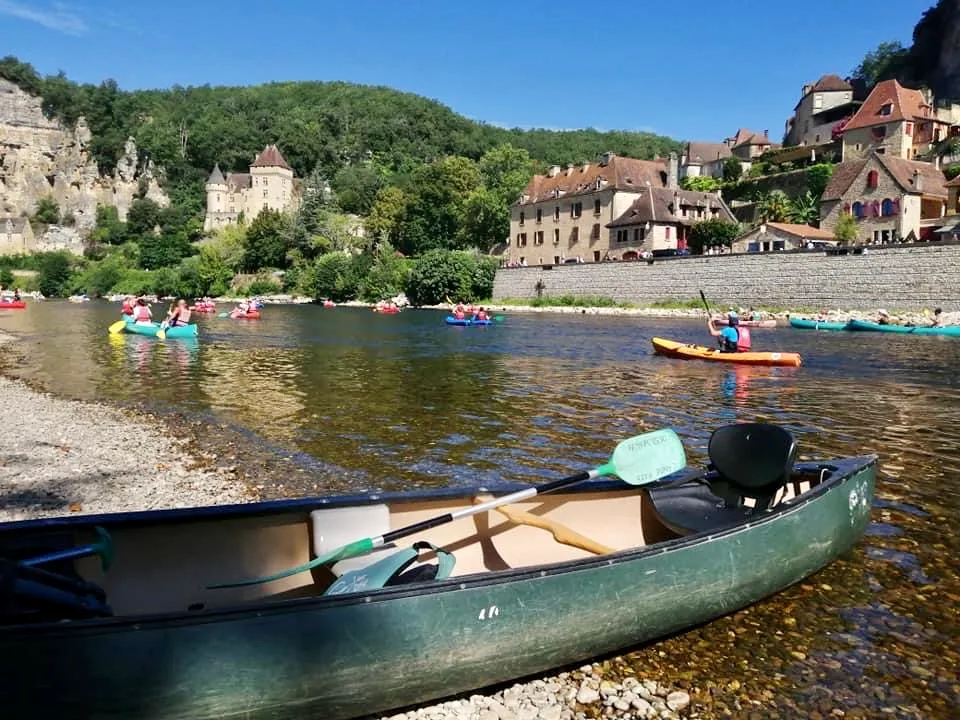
(403, 401)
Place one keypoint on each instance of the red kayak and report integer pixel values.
(13, 305)
(250, 315)
(202, 309)
(387, 310)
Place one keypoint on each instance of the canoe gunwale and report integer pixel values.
(841, 472)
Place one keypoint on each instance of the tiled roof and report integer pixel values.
(238, 180)
(803, 231)
(657, 205)
(953, 183)
(901, 170)
(832, 83)
(704, 152)
(906, 104)
(843, 176)
(216, 177)
(621, 173)
(271, 157)
(749, 137)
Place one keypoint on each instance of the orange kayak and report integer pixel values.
(671, 348)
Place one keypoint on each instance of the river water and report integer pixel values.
(363, 401)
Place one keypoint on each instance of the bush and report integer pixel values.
(458, 275)
(263, 286)
(99, 278)
(387, 276)
(817, 178)
(54, 274)
(6, 277)
(135, 282)
(326, 277)
(48, 212)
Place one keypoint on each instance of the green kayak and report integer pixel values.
(952, 330)
(182, 331)
(802, 324)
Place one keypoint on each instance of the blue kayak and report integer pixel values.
(803, 324)
(150, 330)
(466, 322)
(863, 326)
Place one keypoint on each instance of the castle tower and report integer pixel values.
(271, 183)
(217, 191)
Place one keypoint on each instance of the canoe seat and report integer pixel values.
(333, 528)
(397, 568)
(751, 463)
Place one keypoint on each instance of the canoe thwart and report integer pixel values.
(561, 532)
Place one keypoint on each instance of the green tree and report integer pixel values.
(712, 233)
(387, 215)
(265, 246)
(805, 209)
(142, 217)
(846, 230)
(160, 251)
(700, 183)
(774, 206)
(357, 187)
(108, 230)
(6, 277)
(439, 274)
(47, 211)
(818, 176)
(486, 220)
(732, 169)
(328, 278)
(438, 194)
(53, 274)
(166, 282)
(505, 171)
(881, 63)
(386, 277)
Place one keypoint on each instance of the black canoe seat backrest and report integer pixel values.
(333, 528)
(755, 459)
(751, 463)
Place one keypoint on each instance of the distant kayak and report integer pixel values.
(203, 309)
(386, 310)
(749, 323)
(466, 322)
(150, 330)
(13, 305)
(863, 326)
(329, 304)
(249, 315)
(802, 324)
(671, 348)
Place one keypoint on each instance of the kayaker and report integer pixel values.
(458, 312)
(883, 317)
(126, 308)
(731, 338)
(141, 313)
(937, 318)
(481, 315)
(16, 294)
(179, 315)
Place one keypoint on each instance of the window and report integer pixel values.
(778, 245)
(622, 235)
(817, 139)
(857, 210)
(879, 133)
(266, 193)
(886, 109)
(817, 101)
(556, 236)
(908, 129)
(265, 182)
(886, 208)
(218, 197)
(539, 215)
(576, 210)
(521, 217)
(875, 208)
(873, 177)
(753, 247)
(596, 207)
(596, 256)
(264, 206)
(595, 233)
(667, 233)
(556, 214)
(574, 235)
(638, 235)
(538, 237)
(556, 259)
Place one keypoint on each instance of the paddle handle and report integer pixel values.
(485, 506)
(705, 303)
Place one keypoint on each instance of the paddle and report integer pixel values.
(117, 326)
(706, 304)
(102, 547)
(639, 460)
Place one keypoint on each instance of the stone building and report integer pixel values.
(562, 215)
(16, 236)
(895, 121)
(893, 199)
(704, 159)
(661, 218)
(269, 184)
(823, 104)
(748, 145)
(772, 236)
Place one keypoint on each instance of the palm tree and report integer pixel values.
(805, 209)
(774, 206)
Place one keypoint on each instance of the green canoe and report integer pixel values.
(181, 331)
(861, 325)
(803, 324)
(152, 640)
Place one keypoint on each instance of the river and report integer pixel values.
(363, 401)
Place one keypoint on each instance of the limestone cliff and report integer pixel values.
(947, 79)
(39, 158)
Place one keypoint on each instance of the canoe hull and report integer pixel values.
(466, 322)
(749, 323)
(18, 305)
(181, 331)
(358, 654)
(862, 326)
(254, 315)
(671, 348)
(804, 324)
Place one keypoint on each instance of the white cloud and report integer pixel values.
(57, 17)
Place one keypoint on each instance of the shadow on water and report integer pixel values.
(366, 401)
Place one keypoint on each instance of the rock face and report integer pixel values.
(948, 68)
(40, 158)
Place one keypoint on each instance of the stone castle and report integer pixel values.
(270, 184)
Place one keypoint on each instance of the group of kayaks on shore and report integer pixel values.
(883, 323)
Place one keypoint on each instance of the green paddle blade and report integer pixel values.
(646, 458)
(223, 315)
(117, 326)
(359, 547)
(498, 318)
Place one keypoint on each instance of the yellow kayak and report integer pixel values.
(671, 348)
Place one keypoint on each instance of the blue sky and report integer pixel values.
(692, 70)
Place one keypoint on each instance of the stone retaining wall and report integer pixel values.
(904, 277)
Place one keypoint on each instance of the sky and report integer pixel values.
(693, 70)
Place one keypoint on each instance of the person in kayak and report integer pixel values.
(243, 308)
(141, 313)
(883, 318)
(731, 338)
(16, 294)
(126, 308)
(458, 312)
(481, 315)
(179, 314)
(937, 318)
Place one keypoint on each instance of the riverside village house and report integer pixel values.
(616, 209)
(269, 184)
(823, 106)
(708, 158)
(16, 236)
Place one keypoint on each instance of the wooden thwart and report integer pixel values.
(561, 533)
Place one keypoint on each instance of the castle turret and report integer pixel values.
(217, 190)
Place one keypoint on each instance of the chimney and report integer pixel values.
(586, 166)
(673, 171)
(569, 169)
(676, 203)
(917, 181)
(554, 171)
(605, 158)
